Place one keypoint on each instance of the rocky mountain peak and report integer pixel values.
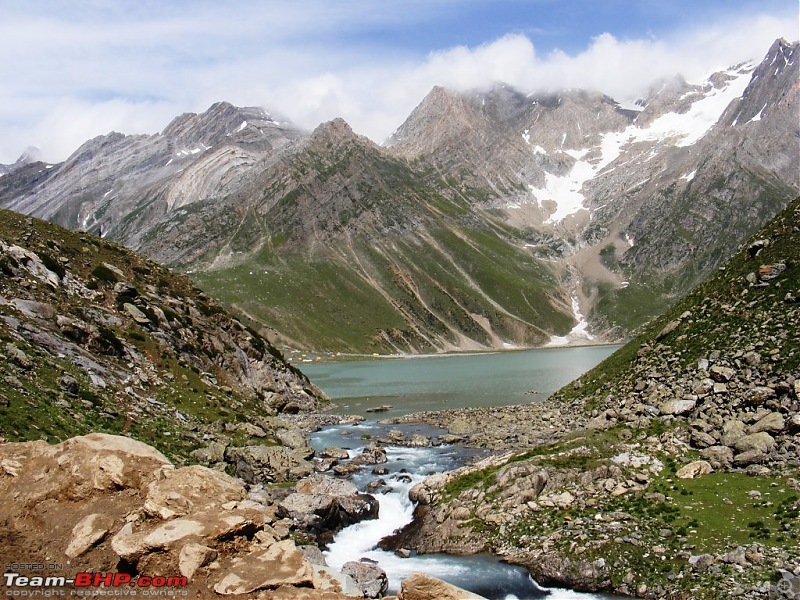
(334, 133)
(441, 115)
(222, 123)
(773, 83)
(31, 154)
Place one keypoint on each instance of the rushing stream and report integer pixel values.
(433, 383)
(483, 574)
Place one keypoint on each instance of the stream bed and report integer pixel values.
(484, 574)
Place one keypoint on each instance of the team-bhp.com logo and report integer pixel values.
(92, 584)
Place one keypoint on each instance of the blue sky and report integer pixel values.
(73, 70)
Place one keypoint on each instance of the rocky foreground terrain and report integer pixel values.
(109, 504)
(670, 470)
(97, 341)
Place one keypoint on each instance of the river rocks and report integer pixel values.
(371, 579)
(335, 453)
(321, 503)
(370, 455)
(292, 438)
(419, 586)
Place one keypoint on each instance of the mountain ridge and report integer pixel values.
(596, 195)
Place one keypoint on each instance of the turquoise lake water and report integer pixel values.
(452, 381)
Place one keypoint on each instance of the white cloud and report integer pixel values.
(75, 76)
(376, 101)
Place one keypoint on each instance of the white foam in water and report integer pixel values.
(485, 575)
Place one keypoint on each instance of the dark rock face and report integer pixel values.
(323, 505)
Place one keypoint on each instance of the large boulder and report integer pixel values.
(323, 503)
(419, 586)
(771, 422)
(694, 470)
(677, 407)
(279, 564)
(761, 441)
(77, 468)
(268, 464)
(370, 578)
(719, 457)
(183, 490)
(212, 524)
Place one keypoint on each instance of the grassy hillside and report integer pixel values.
(452, 286)
(669, 470)
(728, 314)
(96, 338)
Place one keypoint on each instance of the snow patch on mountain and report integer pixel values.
(579, 333)
(679, 129)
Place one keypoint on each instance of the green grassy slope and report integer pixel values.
(75, 360)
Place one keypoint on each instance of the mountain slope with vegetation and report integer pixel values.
(491, 219)
(96, 338)
(672, 469)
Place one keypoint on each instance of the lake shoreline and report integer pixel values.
(345, 357)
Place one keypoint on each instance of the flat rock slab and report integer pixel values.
(281, 564)
(189, 489)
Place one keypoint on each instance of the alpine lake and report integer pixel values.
(401, 385)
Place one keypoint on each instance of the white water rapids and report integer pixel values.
(483, 574)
